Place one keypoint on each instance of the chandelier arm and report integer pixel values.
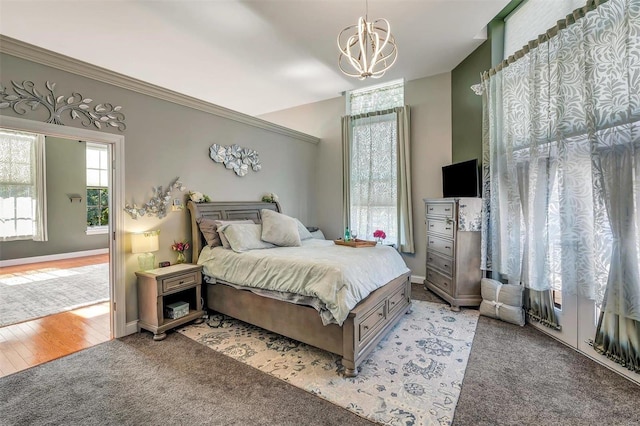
(355, 64)
(363, 34)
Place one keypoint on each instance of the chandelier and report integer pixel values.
(370, 50)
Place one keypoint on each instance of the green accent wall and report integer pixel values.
(466, 106)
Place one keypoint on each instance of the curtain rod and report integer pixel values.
(569, 20)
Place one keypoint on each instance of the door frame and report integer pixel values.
(117, 289)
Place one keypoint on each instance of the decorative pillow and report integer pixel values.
(244, 236)
(279, 229)
(209, 230)
(303, 231)
(318, 234)
(502, 301)
(218, 223)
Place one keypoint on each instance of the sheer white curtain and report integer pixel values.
(22, 186)
(560, 173)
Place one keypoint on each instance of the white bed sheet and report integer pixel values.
(338, 276)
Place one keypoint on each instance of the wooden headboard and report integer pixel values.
(222, 210)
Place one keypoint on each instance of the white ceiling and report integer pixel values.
(252, 56)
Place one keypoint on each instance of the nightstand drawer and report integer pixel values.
(440, 280)
(444, 227)
(176, 282)
(440, 262)
(439, 209)
(440, 245)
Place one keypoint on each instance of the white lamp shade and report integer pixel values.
(144, 242)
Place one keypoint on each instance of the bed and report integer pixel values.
(364, 326)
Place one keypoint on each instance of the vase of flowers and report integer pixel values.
(270, 197)
(379, 235)
(180, 248)
(199, 197)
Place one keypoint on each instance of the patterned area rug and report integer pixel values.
(42, 292)
(413, 377)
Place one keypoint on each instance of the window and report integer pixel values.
(22, 186)
(373, 192)
(97, 188)
(534, 17)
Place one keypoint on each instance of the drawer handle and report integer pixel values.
(365, 328)
(430, 209)
(447, 210)
(447, 247)
(380, 314)
(431, 225)
(393, 303)
(431, 259)
(181, 282)
(446, 266)
(448, 228)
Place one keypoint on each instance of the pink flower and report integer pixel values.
(180, 246)
(379, 233)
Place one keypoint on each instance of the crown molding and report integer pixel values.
(23, 50)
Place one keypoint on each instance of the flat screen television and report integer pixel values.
(461, 179)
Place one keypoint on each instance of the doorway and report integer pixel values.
(117, 312)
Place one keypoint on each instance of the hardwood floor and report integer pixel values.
(34, 342)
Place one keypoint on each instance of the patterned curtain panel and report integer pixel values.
(560, 149)
(374, 176)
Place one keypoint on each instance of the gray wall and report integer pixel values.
(430, 101)
(165, 140)
(65, 163)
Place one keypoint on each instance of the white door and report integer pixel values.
(578, 317)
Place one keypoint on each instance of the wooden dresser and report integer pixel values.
(453, 249)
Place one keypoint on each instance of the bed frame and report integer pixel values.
(367, 323)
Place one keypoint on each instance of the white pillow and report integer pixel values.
(303, 231)
(244, 236)
(502, 301)
(219, 223)
(279, 229)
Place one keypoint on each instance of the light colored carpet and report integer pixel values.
(414, 376)
(49, 291)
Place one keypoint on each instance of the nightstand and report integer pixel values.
(160, 287)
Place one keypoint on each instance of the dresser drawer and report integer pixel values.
(440, 281)
(441, 245)
(179, 281)
(445, 264)
(397, 301)
(439, 209)
(369, 324)
(440, 226)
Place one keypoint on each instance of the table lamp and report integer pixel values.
(145, 243)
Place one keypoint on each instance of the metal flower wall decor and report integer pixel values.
(157, 205)
(25, 96)
(235, 158)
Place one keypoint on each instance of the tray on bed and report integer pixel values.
(355, 243)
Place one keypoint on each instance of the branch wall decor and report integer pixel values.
(235, 158)
(25, 95)
(157, 205)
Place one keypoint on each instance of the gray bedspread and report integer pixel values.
(338, 276)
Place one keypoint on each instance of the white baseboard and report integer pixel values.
(48, 258)
(131, 328)
(418, 279)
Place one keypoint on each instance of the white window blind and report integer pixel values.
(532, 18)
(22, 186)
